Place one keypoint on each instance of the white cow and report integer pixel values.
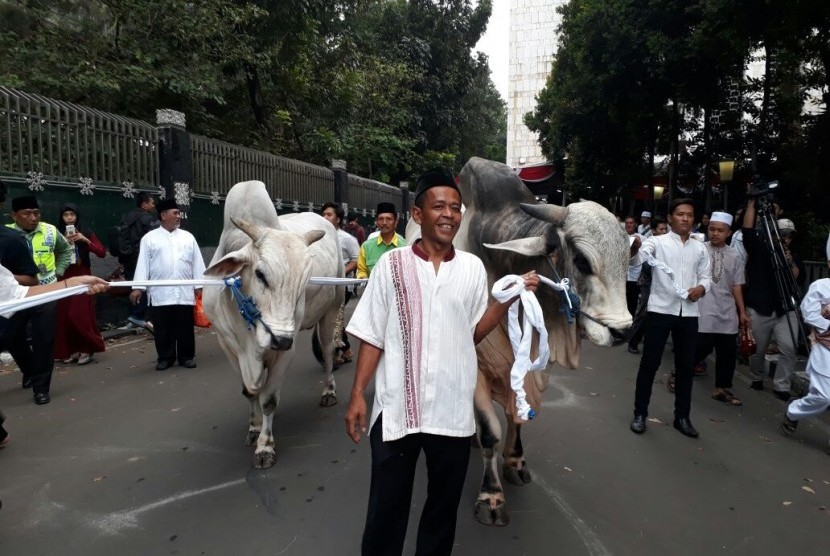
(274, 257)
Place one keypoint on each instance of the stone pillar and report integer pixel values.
(175, 160)
(404, 207)
(341, 184)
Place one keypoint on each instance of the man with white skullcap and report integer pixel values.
(721, 309)
(644, 229)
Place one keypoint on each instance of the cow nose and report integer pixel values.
(281, 343)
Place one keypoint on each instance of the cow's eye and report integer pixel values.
(582, 264)
(261, 277)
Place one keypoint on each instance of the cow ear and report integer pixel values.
(529, 246)
(312, 236)
(229, 265)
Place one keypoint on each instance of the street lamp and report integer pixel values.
(726, 169)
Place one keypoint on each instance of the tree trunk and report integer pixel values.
(255, 96)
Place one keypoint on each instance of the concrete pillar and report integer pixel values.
(175, 160)
(341, 184)
(404, 207)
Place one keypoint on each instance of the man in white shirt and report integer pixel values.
(170, 253)
(632, 288)
(681, 276)
(423, 312)
(350, 249)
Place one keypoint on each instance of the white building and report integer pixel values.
(533, 41)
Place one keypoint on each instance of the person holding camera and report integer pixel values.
(771, 316)
(77, 336)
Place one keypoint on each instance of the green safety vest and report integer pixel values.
(42, 241)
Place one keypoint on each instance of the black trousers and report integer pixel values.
(632, 295)
(36, 359)
(724, 346)
(683, 331)
(390, 494)
(638, 327)
(139, 310)
(173, 332)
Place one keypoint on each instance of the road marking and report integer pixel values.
(568, 399)
(589, 538)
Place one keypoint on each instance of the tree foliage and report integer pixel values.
(391, 86)
(667, 77)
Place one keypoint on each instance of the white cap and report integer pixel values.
(723, 217)
(785, 226)
(645, 214)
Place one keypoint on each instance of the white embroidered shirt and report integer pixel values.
(424, 323)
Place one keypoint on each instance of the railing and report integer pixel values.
(365, 194)
(42, 138)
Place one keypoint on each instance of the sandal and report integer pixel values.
(699, 369)
(671, 383)
(728, 398)
(84, 358)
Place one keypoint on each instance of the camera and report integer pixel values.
(761, 188)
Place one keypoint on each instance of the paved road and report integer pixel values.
(130, 461)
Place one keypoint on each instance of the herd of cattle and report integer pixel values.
(503, 225)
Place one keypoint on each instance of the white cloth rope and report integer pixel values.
(662, 266)
(9, 307)
(521, 336)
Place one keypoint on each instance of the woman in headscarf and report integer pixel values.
(77, 336)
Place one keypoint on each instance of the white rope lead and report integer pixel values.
(521, 337)
(7, 308)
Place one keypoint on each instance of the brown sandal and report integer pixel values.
(728, 398)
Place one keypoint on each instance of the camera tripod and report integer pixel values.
(789, 293)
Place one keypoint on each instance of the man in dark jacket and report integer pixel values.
(140, 221)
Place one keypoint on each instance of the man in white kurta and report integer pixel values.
(681, 277)
(423, 311)
(170, 253)
(815, 309)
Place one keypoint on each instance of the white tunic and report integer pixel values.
(348, 246)
(718, 312)
(817, 296)
(424, 323)
(10, 290)
(167, 255)
(690, 263)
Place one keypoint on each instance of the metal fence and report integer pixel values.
(42, 138)
(365, 194)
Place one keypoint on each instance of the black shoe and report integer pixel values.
(788, 426)
(638, 424)
(633, 349)
(27, 382)
(189, 364)
(757, 385)
(685, 427)
(781, 395)
(42, 398)
(163, 365)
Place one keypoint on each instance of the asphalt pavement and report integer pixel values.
(127, 460)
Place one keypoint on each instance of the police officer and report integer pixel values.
(51, 253)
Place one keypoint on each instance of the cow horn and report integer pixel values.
(554, 214)
(251, 230)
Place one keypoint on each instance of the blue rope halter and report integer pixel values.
(246, 305)
(571, 304)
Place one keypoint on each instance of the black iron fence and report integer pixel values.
(46, 143)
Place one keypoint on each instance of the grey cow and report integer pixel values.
(512, 234)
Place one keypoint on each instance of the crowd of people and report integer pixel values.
(687, 281)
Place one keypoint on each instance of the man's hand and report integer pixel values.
(135, 296)
(96, 285)
(635, 246)
(696, 293)
(744, 319)
(531, 280)
(356, 417)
